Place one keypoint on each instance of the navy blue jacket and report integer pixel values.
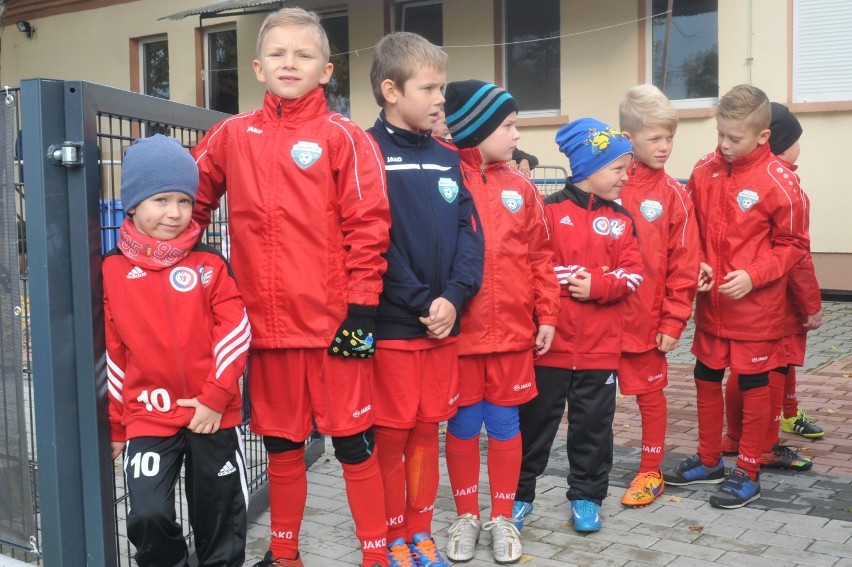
(437, 247)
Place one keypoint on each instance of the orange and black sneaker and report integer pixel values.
(269, 561)
(783, 457)
(644, 489)
(730, 446)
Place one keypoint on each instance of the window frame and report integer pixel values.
(399, 8)
(336, 13)
(817, 105)
(205, 61)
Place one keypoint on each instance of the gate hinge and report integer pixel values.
(66, 154)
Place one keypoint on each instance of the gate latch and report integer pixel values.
(66, 154)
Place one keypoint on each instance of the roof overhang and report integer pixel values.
(225, 8)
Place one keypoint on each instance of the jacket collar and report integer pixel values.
(400, 136)
(577, 196)
(641, 174)
(744, 163)
(299, 109)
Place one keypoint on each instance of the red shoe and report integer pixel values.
(730, 446)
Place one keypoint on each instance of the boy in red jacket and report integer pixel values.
(177, 337)
(655, 316)
(803, 312)
(752, 233)
(598, 264)
(510, 320)
(309, 221)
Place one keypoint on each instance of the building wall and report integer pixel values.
(603, 54)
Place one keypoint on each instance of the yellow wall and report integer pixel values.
(597, 68)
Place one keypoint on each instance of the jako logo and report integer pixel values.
(362, 411)
(504, 495)
(647, 449)
(519, 387)
(466, 491)
(254, 130)
(374, 544)
(391, 159)
(759, 358)
(282, 534)
(655, 377)
(454, 399)
(395, 521)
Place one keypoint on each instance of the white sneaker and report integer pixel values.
(464, 533)
(505, 540)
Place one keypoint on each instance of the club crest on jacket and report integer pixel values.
(305, 154)
(448, 189)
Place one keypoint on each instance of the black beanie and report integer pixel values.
(785, 129)
(474, 110)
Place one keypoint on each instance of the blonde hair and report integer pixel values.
(295, 17)
(646, 105)
(748, 104)
(398, 56)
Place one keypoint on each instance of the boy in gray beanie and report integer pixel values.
(177, 338)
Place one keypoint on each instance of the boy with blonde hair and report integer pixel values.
(309, 220)
(655, 316)
(434, 267)
(751, 233)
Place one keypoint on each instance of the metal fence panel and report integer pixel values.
(17, 521)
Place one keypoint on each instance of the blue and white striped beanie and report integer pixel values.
(474, 110)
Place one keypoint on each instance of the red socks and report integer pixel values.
(711, 409)
(755, 418)
(288, 493)
(504, 469)
(653, 409)
(421, 478)
(366, 501)
(390, 444)
(776, 402)
(791, 401)
(463, 468)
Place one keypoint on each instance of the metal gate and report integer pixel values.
(71, 136)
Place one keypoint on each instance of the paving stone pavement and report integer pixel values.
(800, 519)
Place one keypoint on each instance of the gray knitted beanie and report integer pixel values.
(156, 165)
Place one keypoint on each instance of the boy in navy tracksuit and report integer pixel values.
(177, 337)
(435, 263)
(598, 263)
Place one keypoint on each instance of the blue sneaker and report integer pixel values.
(693, 471)
(587, 517)
(737, 490)
(521, 510)
(424, 553)
(399, 555)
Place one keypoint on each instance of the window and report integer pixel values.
(822, 52)
(691, 77)
(154, 67)
(425, 18)
(221, 77)
(532, 55)
(337, 90)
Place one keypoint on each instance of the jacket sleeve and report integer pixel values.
(401, 285)
(545, 285)
(682, 269)
(231, 340)
(518, 155)
(788, 234)
(210, 155)
(364, 211)
(116, 359)
(624, 278)
(469, 258)
(804, 287)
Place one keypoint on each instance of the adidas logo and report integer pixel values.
(566, 220)
(227, 469)
(136, 272)
(611, 379)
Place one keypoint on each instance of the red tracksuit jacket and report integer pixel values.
(307, 211)
(518, 279)
(172, 333)
(668, 240)
(750, 218)
(590, 233)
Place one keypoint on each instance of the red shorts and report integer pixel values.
(504, 379)
(794, 349)
(415, 380)
(642, 372)
(288, 387)
(743, 357)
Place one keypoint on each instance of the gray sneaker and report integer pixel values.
(463, 536)
(505, 540)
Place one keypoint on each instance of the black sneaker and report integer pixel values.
(737, 490)
(801, 425)
(693, 471)
(268, 561)
(783, 457)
